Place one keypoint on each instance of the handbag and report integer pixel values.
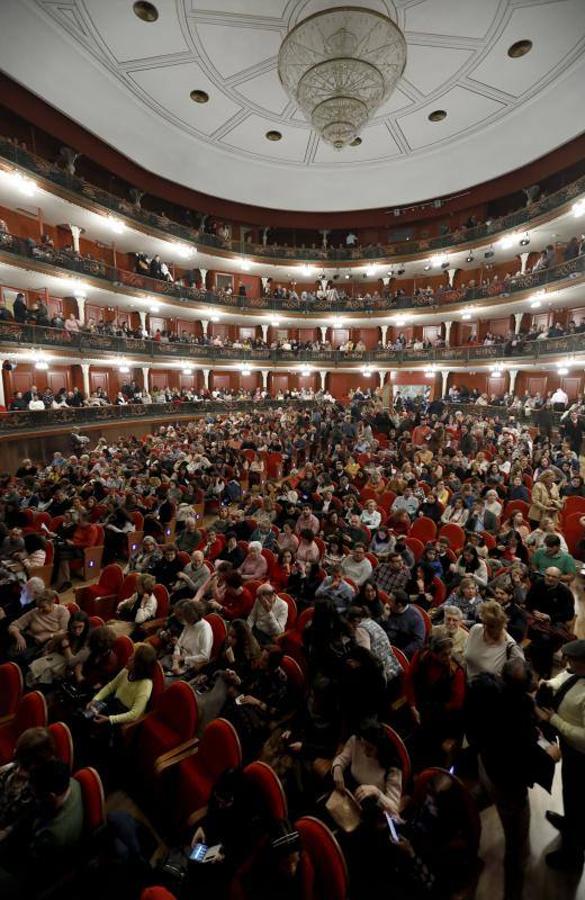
(344, 810)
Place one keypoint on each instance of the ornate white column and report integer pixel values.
(75, 234)
(80, 299)
(524, 260)
(323, 330)
(445, 375)
(145, 374)
(323, 377)
(518, 321)
(85, 375)
(384, 333)
(265, 232)
(142, 317)
(323, 283)
(513, 374)
(264, 335)
(385, 280)
(264, 279)
(324, 232)
(448, 333)
(451, 273)
(204, 326)
(265, 373)
(203, 276)
(206, 378)
(382, 376)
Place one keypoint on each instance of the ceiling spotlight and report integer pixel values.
(305, 373)
(427, 267)
(245, 265)
(246, 371)
(469, 258)
(437, 115)
(147, 12)
(525, 240)
(578, 208)
(124, 370)
(337, 323)
(41, 366)
(508, 240)
(488, 254)
(356, 142)
(429, 373)
(25, 185)
(184, 250)
(115, 224)
(401, 270)
(519, 48)
(199, 96)
(273, 136)
(275, 323)
(187, 370)
(371, 271)
(348, 277)
(439, 259)
(563, 370)
(308, 270)
(400, 322)
(445, 265)
(215, 319)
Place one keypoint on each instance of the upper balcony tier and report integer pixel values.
(33, 255)
(218, 238)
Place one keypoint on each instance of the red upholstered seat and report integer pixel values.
(92, 792)
(454, 534)
(63, 741)
(424, 529)
(194, 777)
(102, 598)
(123, 648)
(328, 861)
(440, 591)
(292, 609)
(219, 629)
(516, 506)
(295, 676)
(171, 723)
(472, 830)
(30, 713)
(402, 753)
(11, 687)
(267, 790)
(415, 546)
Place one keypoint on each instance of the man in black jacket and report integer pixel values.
(551, 605)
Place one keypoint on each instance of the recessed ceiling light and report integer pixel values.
(273, 136)
(199, 96)
(437, 115)
(356, 142)
(519, 48)
(147, 12)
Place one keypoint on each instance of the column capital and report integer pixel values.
(204, 325)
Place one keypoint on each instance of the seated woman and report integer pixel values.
(517, 524)
(145, 558)
(32, 632)
(307, 551)
(369, 598)
(254, 567)
(489, 645)
(435, 690)
(65, 654)
(367, 766)
(118, 524)
(239, 651)
(287, 539)
(236, 601)
(535, 539)
(17, 799)
(456, 513)
(281, 571)
(470, 564)
(141, 606)
(465, 597)
(125, 698)
(333, 552)
(32, 556)
(382, 543)
(81, 683)
(192, 648)
(167, 569)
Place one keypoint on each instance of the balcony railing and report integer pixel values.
(27, 249)
(520, 219)
(85, 343)
(40, 420)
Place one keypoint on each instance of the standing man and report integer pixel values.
(567, 716)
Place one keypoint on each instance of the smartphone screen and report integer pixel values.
(392, 829)
(198, 852)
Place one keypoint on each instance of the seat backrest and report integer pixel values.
(49, 553)
(455, 535)
(267, 790)
(425, 617)
(402, 753)
(424, 529)
(220, 749)
(11, 687)
(295, 676)
(331, 880)
(471, 826)
(31, 713)
(219, 629)
(100, 536)
(177, 708)
(401, 657)
(138, 520)
(94, 807)
(292, 609)
(183, 558)
(63, 741)
(111, 578)
(127, 586)
(158, 684)
(162, 600)
(440, 591)
(415, 546)
(123, 648)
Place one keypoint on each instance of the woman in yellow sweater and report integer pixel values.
(125, 698)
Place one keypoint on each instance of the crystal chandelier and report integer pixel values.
(340, 65)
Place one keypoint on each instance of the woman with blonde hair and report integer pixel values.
(489, 646)
(546, 501)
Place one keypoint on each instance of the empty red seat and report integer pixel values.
(267, 790)
(331, 881)
(167, 728)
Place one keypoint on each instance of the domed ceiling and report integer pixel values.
(130, 82)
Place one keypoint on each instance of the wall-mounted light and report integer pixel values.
(439, 259)
(245, 265)
(41, 366)
(115, 225)
(246, 371)
(20, 182)
(578, 208)
(124, 370)
(508, 240)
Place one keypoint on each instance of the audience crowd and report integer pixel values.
(371, 593)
